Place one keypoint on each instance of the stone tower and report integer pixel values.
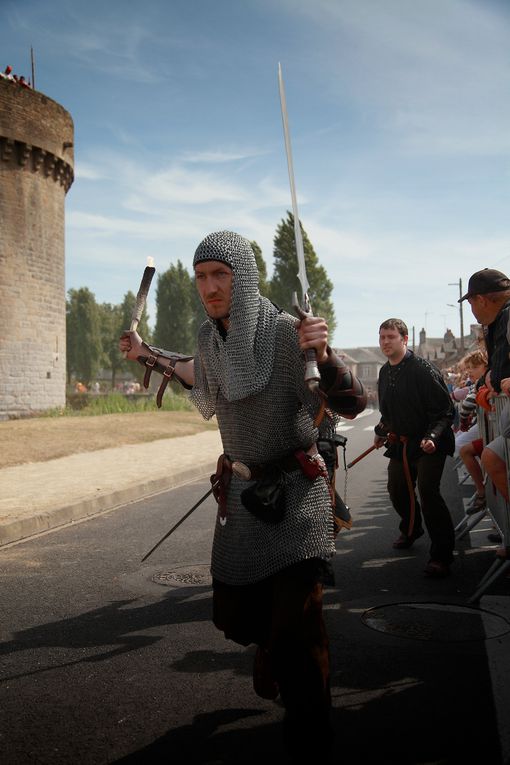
(36, 171)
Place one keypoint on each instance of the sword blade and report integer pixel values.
(202, 499)
(303, 279)
(141, 297)
(312, 374)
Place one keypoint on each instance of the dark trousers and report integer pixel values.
(282, 614)
(426, 472)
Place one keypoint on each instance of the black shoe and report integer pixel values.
(403, 542)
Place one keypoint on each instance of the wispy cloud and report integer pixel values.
(434, 75)
(219, 156)
(88, 172)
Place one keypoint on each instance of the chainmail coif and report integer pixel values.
(240, 364)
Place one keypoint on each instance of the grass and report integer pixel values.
(84, 405)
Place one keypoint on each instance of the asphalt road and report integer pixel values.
(107, 660)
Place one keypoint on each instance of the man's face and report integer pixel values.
(483, 310)
(214, 284)
(392, 344)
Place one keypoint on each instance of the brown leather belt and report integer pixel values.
(308, 462)
(254, 472)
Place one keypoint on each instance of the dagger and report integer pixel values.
(141, 297)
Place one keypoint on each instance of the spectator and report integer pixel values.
(475, 365)
(489, 297)
(470, 454)
(7, 73)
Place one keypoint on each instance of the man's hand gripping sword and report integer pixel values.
(312, 374)
(141, 297)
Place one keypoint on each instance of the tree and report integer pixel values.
(285, 281)
(175, 312)
(262, 268)
(83, 335)
(111, 327)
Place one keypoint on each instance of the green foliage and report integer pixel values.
(111, 326)
(117, 403)
(261, 265)
(285, 281)
(175, 311)
(83, 336)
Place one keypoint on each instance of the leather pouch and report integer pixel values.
(265, 498)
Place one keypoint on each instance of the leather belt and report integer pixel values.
(288, 464)
(309, 462)
(254, 472)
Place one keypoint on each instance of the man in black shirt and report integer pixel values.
(416, 418)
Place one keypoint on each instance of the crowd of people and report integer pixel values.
(277, 513)
(18, 79)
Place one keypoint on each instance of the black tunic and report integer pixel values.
(498, 347)
(414, 402)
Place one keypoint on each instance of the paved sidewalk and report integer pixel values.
(39, 496)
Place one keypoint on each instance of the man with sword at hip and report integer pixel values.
(274, 533)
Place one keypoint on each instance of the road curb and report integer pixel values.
(48, 520)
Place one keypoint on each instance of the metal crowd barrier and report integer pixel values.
(497, 507)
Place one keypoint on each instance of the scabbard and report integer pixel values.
(360, 456)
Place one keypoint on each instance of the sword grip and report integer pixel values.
(312, 374)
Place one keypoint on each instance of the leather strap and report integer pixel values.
(167, 376)
(151, 363)
(393, 438)
(220, 481)
(149, 366)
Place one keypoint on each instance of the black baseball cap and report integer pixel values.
(485, 281)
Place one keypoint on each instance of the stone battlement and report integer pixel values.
(36, 159)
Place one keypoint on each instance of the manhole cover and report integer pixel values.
(436, 621)
(187, 576)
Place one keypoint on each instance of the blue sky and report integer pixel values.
(399, 115)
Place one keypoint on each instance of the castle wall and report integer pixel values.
(36, 170)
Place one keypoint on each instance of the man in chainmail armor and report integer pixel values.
(274, 535)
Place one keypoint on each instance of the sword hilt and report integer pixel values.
(312, 374)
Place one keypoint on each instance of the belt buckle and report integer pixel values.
(240, 470)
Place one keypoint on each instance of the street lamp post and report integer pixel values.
(459, 284)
